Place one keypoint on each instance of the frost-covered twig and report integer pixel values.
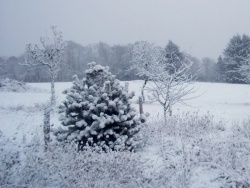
(49, 56)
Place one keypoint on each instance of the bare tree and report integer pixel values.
(48, 55)
(169, 89)
(169, 84)
(145, 55)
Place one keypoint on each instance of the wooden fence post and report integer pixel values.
(140, 105)
(126, 86)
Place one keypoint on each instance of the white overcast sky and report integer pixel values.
(200, 27)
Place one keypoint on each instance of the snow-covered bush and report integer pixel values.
(197, 146)
(184, 145)
(9, 162)
(89, 168)
(86, 168)
(191, 153)
(232, 156)
(11, 85)
(97, 111)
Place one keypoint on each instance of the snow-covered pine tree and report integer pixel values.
(97, 112)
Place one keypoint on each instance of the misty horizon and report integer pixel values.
(202, 29)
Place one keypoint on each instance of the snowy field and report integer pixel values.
(227, 102)
(21, 114)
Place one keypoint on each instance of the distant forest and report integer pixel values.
(117, 57)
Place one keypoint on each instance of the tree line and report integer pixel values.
(119, 57)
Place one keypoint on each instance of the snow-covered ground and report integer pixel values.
(225, 101)
(21, 114)
(23, 111)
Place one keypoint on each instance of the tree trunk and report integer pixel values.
(165, 114)
(142, 91)
(53, 97)
(46, 128)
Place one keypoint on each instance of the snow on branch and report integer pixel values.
(169, 83)
(49, 54)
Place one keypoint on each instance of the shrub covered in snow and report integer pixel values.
(197, 151)
(97, 111)
(193, 152)
(32, 167)
(10, 85)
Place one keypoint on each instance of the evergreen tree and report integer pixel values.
(235, 54)
(97, 112)
(174, 57)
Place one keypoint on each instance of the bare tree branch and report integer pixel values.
(168, 84)
(48, 55)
